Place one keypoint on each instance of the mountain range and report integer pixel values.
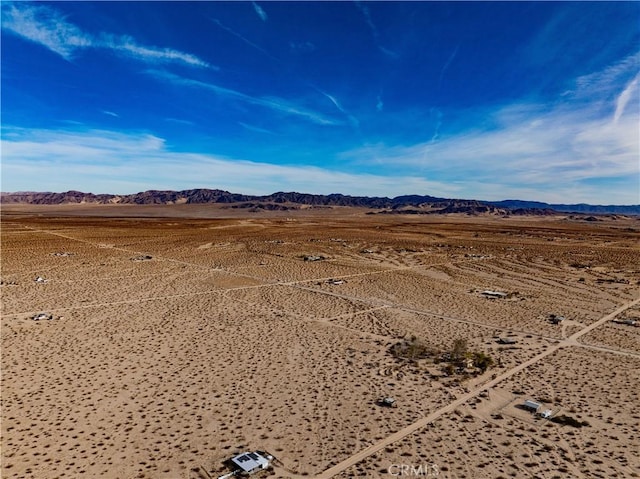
(407, 204)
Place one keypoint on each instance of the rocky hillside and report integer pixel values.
(201, 196)
(576, 208)
(407, 204)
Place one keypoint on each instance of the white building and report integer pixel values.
(250, 462)
(494, 294)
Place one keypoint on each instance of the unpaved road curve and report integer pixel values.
(570, 341)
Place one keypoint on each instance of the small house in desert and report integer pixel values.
(387, 402)
(251, 462)
(494, 294)
(42, 316)
(556, 319)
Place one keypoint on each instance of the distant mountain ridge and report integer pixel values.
(574, 208)
(406, 204)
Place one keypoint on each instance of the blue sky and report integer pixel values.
(535, 101)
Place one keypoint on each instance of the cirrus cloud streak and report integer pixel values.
(49, 27)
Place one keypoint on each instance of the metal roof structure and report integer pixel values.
(529, 404)
(495, 294)
(251, 462)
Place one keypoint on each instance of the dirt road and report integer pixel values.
(570, 341)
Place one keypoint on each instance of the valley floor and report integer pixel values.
(178, 342)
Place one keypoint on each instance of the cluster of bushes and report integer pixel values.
(460, 355)
(482, 361)
(413, 349)
(457, 357)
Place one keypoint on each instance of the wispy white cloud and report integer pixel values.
(50, 28)
(45, 26)
(272, 103)
(254, 128)
(601, 82)
(259, 10)
(436, 131)
(549, 155)
(379, 103)
(279, 104)
(623, 99)
(352, 119)
(180, 121)
(388, 52)
(244, 39)
(111, 113)
(115, 162)
(572, 146)
(447, 64)
(118, 162)
(367, 17)
(374, 30)
(302, 47)
(129, 47)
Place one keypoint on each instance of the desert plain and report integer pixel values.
(183, 335)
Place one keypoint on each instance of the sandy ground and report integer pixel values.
(491, 437)
(179, 341)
